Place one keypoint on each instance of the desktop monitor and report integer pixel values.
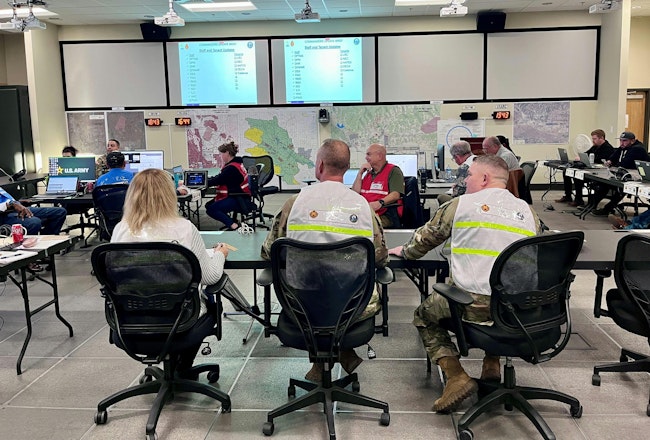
(196, 179)
(142, 160)
(350, 176)
(440, 158)
(82, 167)
(408, 163)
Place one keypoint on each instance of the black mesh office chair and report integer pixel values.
(266, 170)
(629, 304)
(412, 211)
(530, 283)
(323, 289)
(529, 169)
(152, 305)
(109, 204)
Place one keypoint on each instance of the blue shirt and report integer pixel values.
(115, 175)
(4, 198)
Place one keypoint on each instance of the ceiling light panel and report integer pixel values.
(219, 7)
(24, 12)
(421, 2)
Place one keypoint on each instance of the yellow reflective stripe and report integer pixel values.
(326, 228)
(497, 226)
(470, 251)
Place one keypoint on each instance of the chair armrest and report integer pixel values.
(217, 287)
(453, 293)
(265, 278)
(384, 275)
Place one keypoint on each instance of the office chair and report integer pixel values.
(109, 203)
(514, 177)
(323, 289)
(529, 303)
(529, 169)
(152, 305)
(412, 211)
(629, 304)
(266, 171)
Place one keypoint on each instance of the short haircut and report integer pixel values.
(335, 155)
(231, 147)
(598, 132)
(70, 149)
(114, 140)
(115, 159)
(494, 163)
(460, 148)
(493, 140)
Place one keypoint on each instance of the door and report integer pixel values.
(636, 111)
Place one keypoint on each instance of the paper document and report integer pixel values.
(7, 257)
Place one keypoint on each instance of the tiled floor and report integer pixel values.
(64, 378)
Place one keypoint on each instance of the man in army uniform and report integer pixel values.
(479, 224)
(101, 165)
(327, 212)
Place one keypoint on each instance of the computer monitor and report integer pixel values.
(408, 163)
(441, 158)
(196, 179)
(82, 167)
(141, 160)
(350, 176)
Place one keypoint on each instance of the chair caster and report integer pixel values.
(101, 417)
(384, 420)
(291, 391)
(595, 380)
(213, 376)
(356, 387)
(623, 358)
(268, 428)
(226, 407)
(152, 436)
(466, 434)
(145, 378)
(576, 411)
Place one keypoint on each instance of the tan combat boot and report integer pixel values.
(459, 385)
(491, 368)
(316, 373)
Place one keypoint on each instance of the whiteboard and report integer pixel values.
(554, 64)
(110, 75)
(431, 67)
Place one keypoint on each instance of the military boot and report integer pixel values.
(316, 373)
(459, 385)
(491, 368)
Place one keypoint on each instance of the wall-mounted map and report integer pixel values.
(89, 131)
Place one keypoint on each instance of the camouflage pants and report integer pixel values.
(436, 339)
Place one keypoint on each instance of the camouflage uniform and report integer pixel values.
(101, 166)
(436, 339)
(279, 229)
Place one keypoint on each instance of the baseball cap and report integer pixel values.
(114, 159)
(627, 135)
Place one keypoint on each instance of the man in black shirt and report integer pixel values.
(601, 150)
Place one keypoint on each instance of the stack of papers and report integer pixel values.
(7, 257)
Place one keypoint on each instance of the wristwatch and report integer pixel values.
(10, 203)
(381, 202)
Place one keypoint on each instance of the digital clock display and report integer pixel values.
(502, 114)
(153, 122)
(184, 121)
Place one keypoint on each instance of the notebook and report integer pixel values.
(644, 169)
(196, 179)
(59, 187)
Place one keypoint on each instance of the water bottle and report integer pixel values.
(448, 174)
(592, 158)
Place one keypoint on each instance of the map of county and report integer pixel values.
(401, 128)
(288, 135)
(541, 122)
(128, 128)
(87, 131)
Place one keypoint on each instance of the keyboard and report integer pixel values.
(53, 196)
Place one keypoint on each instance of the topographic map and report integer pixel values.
(541, 122)
(89, 131)
(288, 135)
(401, 128)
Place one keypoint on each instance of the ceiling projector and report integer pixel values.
(169, 19)
(604, 7)
(454, 10)
(22, 25)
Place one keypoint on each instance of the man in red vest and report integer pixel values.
(382, 185)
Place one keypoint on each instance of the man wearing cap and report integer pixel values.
(630, 150)
(116, 173)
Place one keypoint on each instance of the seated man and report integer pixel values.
(461, 152)
(480, 224)
(101, 167)
(381, 184)
(328, 212)
(46, 220)
(492, 145)
(116, 172)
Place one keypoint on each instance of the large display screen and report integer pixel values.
(83, 167)
(208, 73)
(141, 160)
(323, 70)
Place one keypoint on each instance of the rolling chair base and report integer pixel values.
(639, 364)
(158, 381)
(327, 394)
(512, 396)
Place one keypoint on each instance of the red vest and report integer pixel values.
(222, 190)
(373, 190)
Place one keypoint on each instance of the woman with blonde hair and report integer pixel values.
(151, 214)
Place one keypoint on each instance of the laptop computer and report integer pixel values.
(59, 187)
(644, 169)
(196, 179)
(584, 158)
(564, 157)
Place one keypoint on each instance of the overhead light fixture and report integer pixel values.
(307, 15)
(219, 7)
(455, 9)
(170, 19)
(17, 24)
(604, 7)
(23, 12)
(421, 2)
